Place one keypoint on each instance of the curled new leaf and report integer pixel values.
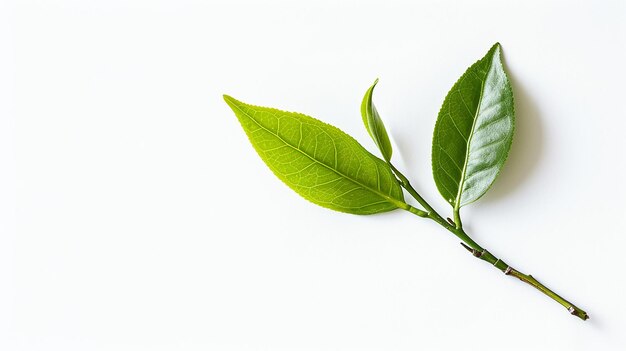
(374, 124)
(318, 161)
(474, 131)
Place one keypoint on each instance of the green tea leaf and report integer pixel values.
(318, 161)
(374, 124)
(474, 131)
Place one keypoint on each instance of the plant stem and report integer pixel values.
(407, 185)
(478, 251)
(457, 218)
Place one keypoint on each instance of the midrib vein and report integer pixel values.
(457, 203)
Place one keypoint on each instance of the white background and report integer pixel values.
(135, 215)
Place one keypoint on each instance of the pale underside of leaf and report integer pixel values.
(318, 161)
(474, 131)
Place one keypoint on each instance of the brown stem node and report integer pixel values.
(467, 247)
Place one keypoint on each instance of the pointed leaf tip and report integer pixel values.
(228, 98)
(232, 102)
(495, 49)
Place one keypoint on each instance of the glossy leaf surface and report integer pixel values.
(374, 124)
(318, 161)
(474, 131)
